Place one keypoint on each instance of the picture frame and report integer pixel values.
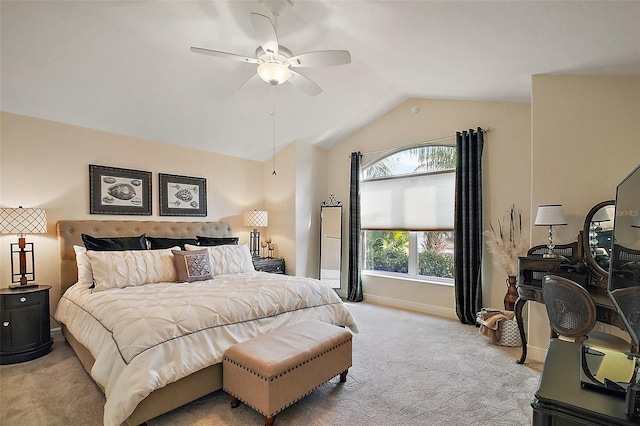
(182, 195)
(113, 190)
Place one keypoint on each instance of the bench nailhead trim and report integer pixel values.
(263, 377)
(286, 406)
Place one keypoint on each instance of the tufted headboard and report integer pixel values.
(70, 231)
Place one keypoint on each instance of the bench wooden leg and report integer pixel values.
(234, 401)
(268, 421)
(343, 376)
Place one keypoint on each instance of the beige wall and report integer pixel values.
(586, 139)
(293, 198)
(45, 164)
(311, 190)
(280, 199)
(506, 179)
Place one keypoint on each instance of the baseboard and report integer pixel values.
(535, 353)
(411, 306)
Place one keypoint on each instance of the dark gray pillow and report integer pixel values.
(163, 243)
(217, 241)
(114, 243)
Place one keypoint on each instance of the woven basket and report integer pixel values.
(509, 334)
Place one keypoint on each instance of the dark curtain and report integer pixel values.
(468, 225)
(355, 279)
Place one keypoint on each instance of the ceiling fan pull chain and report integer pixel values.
(273, 119)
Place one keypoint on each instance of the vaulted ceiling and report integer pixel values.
(126, 67)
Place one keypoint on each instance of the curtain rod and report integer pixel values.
(414, 145)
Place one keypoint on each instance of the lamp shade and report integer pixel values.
(601, 215)
(550, 214)
(22, 221)
(255, 218)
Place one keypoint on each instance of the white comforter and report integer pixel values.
(146, 337)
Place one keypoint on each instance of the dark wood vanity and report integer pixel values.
(584, 261)
(573, 388)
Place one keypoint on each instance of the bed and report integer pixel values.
(185, 327)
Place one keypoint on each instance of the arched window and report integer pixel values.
(407, 213)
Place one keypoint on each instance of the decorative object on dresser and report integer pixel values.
(274, 266)
(119, 191)
(506, 245)
(550, 215)
(255, 219)
(271, 246)
(22, 221)
(182, 195)
(25, 332)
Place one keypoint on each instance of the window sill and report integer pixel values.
(401, 277)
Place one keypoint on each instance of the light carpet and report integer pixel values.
(408, 369)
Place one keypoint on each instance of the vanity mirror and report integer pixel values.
(331, 241)
(597, 238)
(607, 369)
(624, 269)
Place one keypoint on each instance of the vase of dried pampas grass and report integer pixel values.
(506, 243)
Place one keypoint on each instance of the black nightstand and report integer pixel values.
(274, 266)
(25, 332)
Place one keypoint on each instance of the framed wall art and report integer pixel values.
(182, 195)
(119, 191)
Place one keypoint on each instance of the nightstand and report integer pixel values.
(25, 332)
(274, 266)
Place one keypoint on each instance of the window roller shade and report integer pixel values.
(417, 202)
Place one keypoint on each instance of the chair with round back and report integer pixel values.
(572, 313)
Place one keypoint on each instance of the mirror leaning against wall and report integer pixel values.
(331, 241)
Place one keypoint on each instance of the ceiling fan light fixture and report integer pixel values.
(274, 72)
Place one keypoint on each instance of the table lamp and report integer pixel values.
(255, 219)
(22, 221)
(550, 215)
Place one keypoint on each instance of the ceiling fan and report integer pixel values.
(275, 62)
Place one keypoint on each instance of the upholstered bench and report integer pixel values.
(272, 371)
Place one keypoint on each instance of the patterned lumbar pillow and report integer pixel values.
(192, 265)
(227, 259)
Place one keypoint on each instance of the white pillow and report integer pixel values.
(227, 259)
(119, 269)
(85, 273)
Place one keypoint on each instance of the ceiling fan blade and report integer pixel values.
(223, 55)
(265, 32)
(303, 83)
(253, 77)
(321, 58)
